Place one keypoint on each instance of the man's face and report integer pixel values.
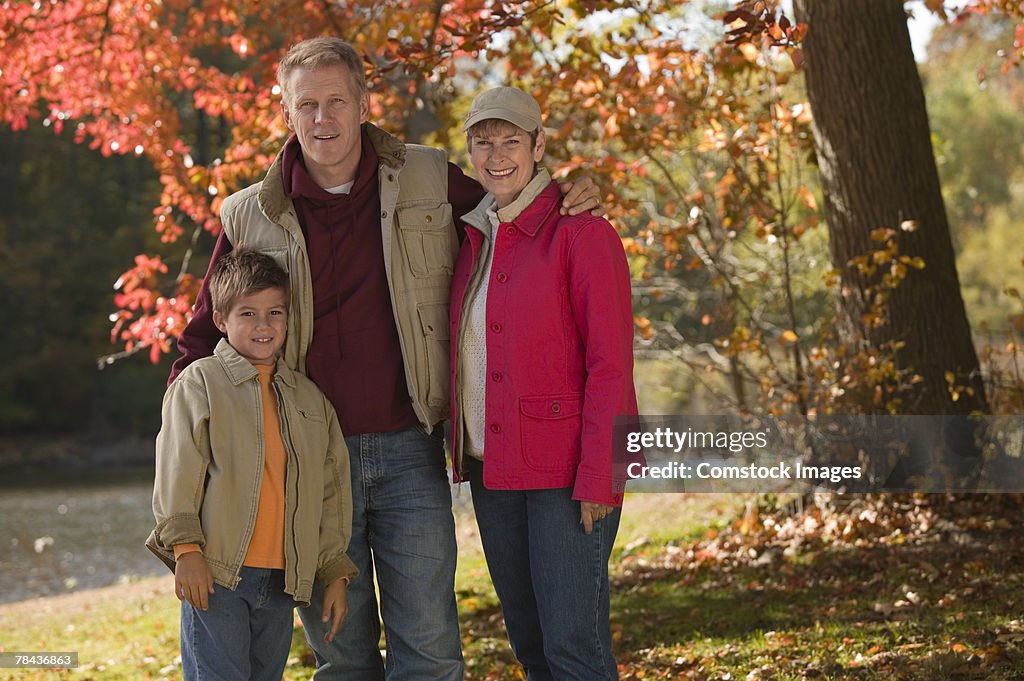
(324, 108)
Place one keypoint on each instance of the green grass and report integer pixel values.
(942, 606)
(124, 632)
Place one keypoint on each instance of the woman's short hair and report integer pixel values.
(496, 126)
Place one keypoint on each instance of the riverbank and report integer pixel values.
(47, 611)
(37, 460)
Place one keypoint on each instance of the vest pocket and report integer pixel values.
(427, 240)
(433, 318)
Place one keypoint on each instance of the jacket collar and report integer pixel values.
(273, 200)
(240, 370)
(528, 212)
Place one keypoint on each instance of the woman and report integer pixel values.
(542, 352)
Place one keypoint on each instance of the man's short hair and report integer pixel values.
(243, 272)
(317, 52)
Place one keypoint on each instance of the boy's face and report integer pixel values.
(257, 325)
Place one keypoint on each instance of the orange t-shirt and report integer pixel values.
(266, 549)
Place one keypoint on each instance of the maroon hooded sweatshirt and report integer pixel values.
(355, 357)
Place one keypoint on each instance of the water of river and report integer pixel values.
(74, 535)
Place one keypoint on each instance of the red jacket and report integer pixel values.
(559, 350)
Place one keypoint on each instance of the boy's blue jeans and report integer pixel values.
(245, 633)
(551, 578)
(402, 530)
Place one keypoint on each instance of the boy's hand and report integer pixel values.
(193, 580)
(579, 196)
(335, 606)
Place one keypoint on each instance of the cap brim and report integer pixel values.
(524, 122)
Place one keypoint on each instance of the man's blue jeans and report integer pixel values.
(551, 578)
(402, 528)
(245, 633)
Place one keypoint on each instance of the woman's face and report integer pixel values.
(504, 159)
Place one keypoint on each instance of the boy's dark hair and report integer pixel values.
(242, 272)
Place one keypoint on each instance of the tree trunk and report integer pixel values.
(878, 170)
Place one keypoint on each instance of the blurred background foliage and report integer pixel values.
(69, 221)
(705, 149)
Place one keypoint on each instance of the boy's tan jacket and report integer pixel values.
(420, 246)
(209, 466)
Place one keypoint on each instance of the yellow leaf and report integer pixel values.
(807, 198)
(788, 336)
(611, 127)
(750, 52)
(881, 234)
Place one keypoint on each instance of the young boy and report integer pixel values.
(252, 496)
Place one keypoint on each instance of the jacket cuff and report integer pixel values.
(597, 489)
(341, 566)
(183, 528)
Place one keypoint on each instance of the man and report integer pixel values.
(364, 225)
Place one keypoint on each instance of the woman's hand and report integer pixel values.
(589, 512)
